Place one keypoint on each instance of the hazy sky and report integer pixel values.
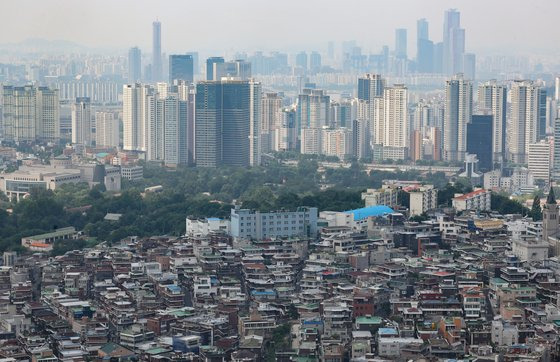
(510, 25)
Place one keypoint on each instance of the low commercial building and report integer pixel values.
(50, 177)
(530, 250)
(45, 242)
(355, 219)
(17, 184)
(132, 173)
(391, 347)
(250, 224)
(203, 227)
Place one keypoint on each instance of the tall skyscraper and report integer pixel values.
(313, 108)
(542, 113)
(469, 66)
(396, 121)
(255, 121)
(479, 140)
(157, 68)
(492, 99)
(424, 48)
(370, 86)
(48, 117)
(196, 64)
(315, 61)
(81, 122)
(301, 60)
(556, 151)
(422, 29)
(458, 111)
(210, 66)
(107, 129)
(341, 114)
(134, 65)
(30, 113)
(391, 122)
(181, 67)
(175, 118)
(453, 42)
(135, 116)
(227, 123)
(524, 119)
(271, 119)
(400, 44)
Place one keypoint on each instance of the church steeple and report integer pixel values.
(551, 224)
(551, 200)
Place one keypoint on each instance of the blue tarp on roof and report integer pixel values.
(365, 212)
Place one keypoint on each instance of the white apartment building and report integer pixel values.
(422, 199)
(311, 141)
(81, 122)
(540, 160)
(135, 116)
(337, 142)
(250, 224)
(386, 195)
(458, 111)
(107, 129)
(478, 200)
(523, 125)
(390, 122)
(492, 98)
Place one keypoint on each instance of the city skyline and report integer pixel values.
(483, 34)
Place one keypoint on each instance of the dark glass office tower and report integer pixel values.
(225, 125)
(210, 66)
(370, 86)
(479, 140)
(181, 67)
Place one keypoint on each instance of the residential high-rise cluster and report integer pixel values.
(390, 106)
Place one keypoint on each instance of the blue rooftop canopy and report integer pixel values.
(365, 212)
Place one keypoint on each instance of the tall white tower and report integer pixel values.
(135, 116)
(523, 126)
(458, 112)
(492, 98)
(81, 122)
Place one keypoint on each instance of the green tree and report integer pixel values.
(536, 210)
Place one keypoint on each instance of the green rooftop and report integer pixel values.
(369, 320)
(498, 281)
(54, 234)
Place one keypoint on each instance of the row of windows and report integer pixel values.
(278, 216)
(277, 229)
(272, 223)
